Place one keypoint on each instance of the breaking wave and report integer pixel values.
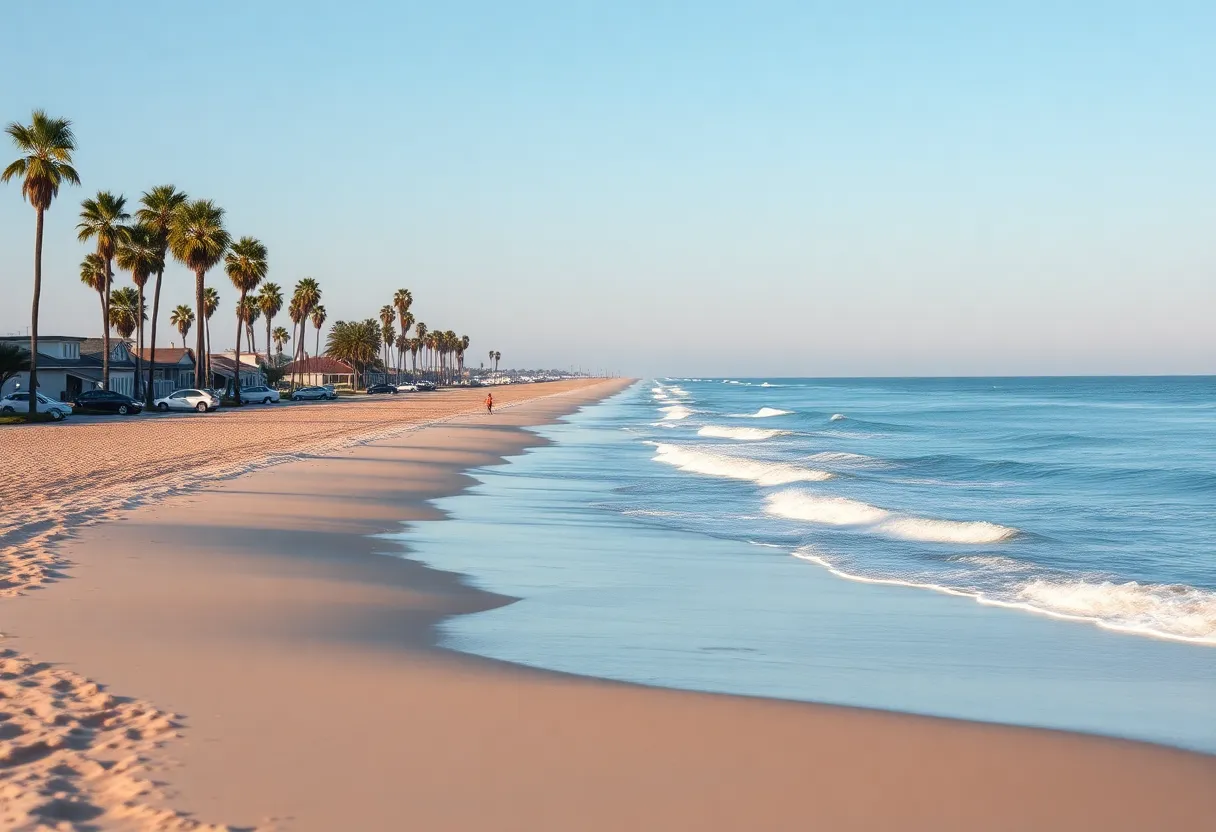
(733, 467)
(837, 417)
(841, 511)
(762, 413)
(745, 434)
(675, 412)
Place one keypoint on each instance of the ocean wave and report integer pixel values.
(846, 458)
(714, 464)
(745, 434)
(762, 413)
(1175, 612)
(675, 412)
(841, 511)
(837, 417)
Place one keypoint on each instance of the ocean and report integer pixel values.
(1037, 551)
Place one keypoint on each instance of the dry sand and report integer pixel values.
(300, 658)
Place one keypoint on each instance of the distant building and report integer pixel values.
(319, 370)
(68, 365)
(174, 369)
(223, 371)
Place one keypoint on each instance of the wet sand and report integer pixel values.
(294, 655)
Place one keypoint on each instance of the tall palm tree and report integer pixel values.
(93, 275)
(182, 317)
(403, 299)
(126, 311)
(464, 347)
(245, 264)
(317, 316)
(280, 336)
(387, 315)
(307, 295)
(198, 241)
(420, 332)
(491, 362)
(46, 146)
(295, 311)
(155, 213)
(140, 254)
(104, 220)
(270, 301)
(497, 358)
(250, 313)
(211, 302)
(415, 347)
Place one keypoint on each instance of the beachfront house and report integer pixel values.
(224, 370)
(174, 369)
(320, 370)
(68, 365)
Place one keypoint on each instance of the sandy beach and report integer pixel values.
(202, 628)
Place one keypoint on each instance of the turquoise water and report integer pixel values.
(1028, 551)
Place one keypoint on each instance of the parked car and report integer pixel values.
(313, 393)
(260, 393)
(425, 385)
(381, 388)
(107, 401)
(407, 388)
(19, 402)
(200, 400)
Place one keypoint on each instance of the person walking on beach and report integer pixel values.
(490, 403)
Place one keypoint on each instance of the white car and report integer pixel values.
(313, 393)
(19, 402)
(260, 393)
(406, 388)
(200, 400)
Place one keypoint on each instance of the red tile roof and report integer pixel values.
(321, 364)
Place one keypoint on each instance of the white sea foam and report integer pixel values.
(710, 463)
(837, 417)
(675, 412)
(841, 511)
(762, 413)
(744, 434)
(1172, 612)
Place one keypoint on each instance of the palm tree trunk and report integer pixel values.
(268, 324)
(236, 370)
(33, 414)
(139, 355)
(318, 340)
(151, 391)
(105, 331)
(200, 344)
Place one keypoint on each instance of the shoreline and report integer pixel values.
(313, 693)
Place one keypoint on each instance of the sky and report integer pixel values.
(677, 188)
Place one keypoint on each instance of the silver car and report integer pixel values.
(313, 393)
(260, 393)
(200, 400)
(19, 403)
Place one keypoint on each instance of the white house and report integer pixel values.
(69, 365)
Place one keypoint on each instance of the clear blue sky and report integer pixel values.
(688, 188)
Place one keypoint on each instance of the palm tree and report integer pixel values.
(250, 314)
(245, 264)
(280, 336)
(317, 316)
(356, 342)
(420, 332)
(491, 362)
(211, 302)
(198, 241)
(307, 295)
(403, 299)
(497, 358)
(387, 315)
(156, 211)
(126, 311)
(93, 275)
(104, 220)
(13, 360)
(46, 146)
(140, 254)
(460, 351)
(295, 311)
(415, 347)
(182, 317)
(270, 301)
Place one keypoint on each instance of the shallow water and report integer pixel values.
(1035, 552)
